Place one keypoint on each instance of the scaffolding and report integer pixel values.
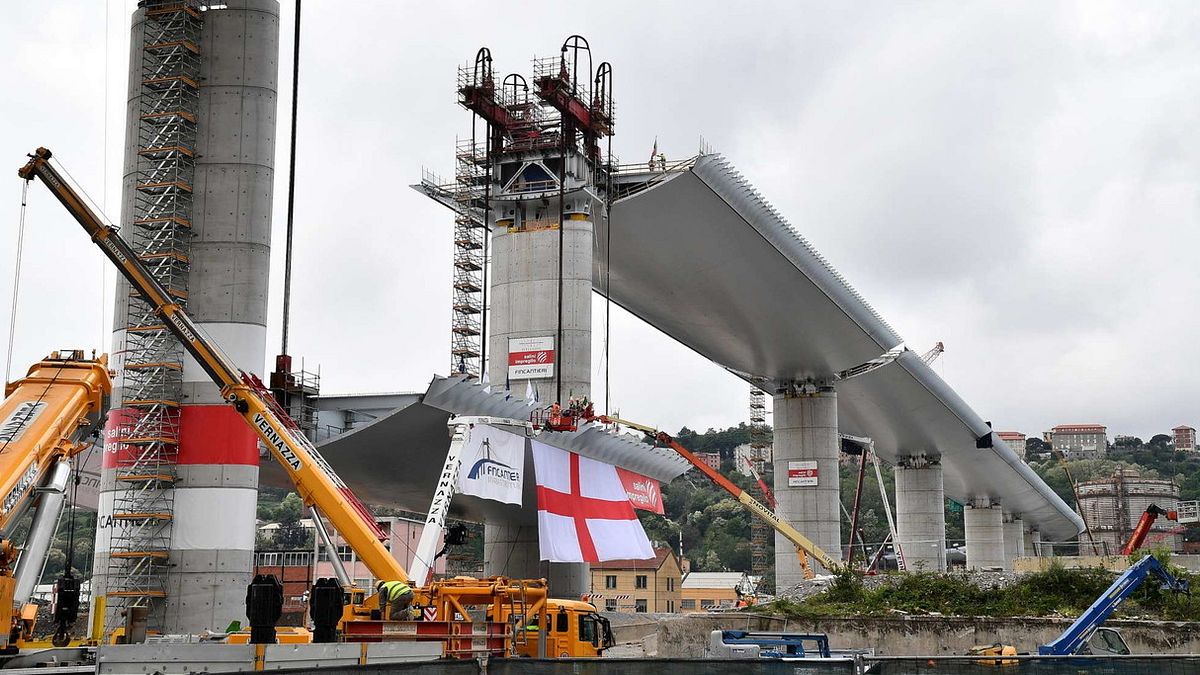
(760, 532)
(297, 392)
(146, 443)
(470, 232)
(1113, 506)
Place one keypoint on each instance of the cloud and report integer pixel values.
(1017, 180)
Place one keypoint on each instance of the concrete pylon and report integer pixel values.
(524, 306)
(216, 474)
(807, 488)
(1032, 541)
(983, 524)
(1014, 539)
(920, 512)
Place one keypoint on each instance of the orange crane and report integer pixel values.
(1150, 515)
(568, 420)
(45, 420)
(325, 493)
(315, 480)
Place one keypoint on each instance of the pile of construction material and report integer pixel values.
(811, 587)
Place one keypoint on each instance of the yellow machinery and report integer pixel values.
(804, 546)
(316, 482)
(43, 419)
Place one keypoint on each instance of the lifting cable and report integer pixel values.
(12, 317)
(76, 478)
(104, 195)
(608, 228)
(562, 184)
(291, 198)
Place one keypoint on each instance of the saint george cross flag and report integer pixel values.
(584, 514)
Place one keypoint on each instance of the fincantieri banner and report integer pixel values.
(530, 358)
(493, 465)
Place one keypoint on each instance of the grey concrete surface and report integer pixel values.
(806, 430)
(229, 268)
(524, 302)
(983, 525)
(1014, 540)
(684, 635)
(920, 513)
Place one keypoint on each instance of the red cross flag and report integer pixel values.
(584, 514)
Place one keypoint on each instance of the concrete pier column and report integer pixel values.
(525, 306)
(806, 477)
(983, 523)
(524, 302)
(920, 512)
(1032, 541)
(1014, 539)
(214, 484)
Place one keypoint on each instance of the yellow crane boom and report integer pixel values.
(43, 420)
(804, 545)
(316, 482)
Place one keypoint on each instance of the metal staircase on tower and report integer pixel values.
(760, 533)
(146, 443)
(470, 232)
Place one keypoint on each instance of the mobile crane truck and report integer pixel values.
(506, 603)
(45, 420)
(1087, 634)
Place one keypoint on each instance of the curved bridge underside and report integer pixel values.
(396, 460)
(701, 256)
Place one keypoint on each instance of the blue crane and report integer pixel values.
(1076, 639)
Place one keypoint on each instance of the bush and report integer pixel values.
(1054, 591)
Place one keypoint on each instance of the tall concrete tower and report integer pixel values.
(807, 490)
(180, 472)
(542, 184)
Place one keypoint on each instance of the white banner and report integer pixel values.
(530, 358)
(493, 465)
(802, 474)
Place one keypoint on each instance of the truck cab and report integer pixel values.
(576, 630)
(1106, 642)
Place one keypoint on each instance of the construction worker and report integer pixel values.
(395, 597)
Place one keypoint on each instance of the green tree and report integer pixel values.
(1160, 441)
(291, 534)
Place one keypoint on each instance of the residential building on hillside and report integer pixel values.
(703, 591)
(1015, 440)
(1080, 441)
(743, 455)
(402, 535)
(713, 459)
(638, 585)
(1185, 438)
(268, 530)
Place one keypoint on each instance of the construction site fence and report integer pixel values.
(1159, 664)
(863, 665)
(522, 666)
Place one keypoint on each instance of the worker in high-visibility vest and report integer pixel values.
(395, 597)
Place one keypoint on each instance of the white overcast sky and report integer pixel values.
(1018, 180)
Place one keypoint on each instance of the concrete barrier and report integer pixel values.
(685, 636)
(1115, 563)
